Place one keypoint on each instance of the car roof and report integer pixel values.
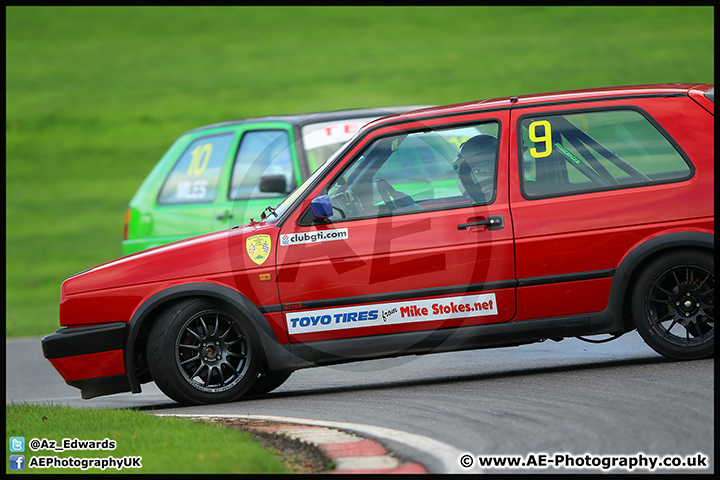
(301, 119)
(664, 89)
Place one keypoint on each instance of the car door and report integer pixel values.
(189, 192)
(265, 153)
(406, 247)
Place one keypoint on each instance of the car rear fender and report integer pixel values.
(635, 261)
(277, 356)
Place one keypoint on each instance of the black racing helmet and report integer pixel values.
(475, 166)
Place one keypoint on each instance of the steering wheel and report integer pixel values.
(350, 205)
(393, 199)
(384, 188)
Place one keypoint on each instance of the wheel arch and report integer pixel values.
(633, 264)
(275, 354)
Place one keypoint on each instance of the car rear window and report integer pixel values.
(321, 140)
(195, 176)
(602, 150)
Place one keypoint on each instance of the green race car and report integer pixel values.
(224, 174)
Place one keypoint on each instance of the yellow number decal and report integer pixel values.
(547, 138)
(200, 159)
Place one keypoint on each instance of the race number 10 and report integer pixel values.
(200, 159)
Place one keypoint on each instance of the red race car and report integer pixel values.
(485, 224)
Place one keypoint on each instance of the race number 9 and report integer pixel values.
(546, 137)
(200, 159)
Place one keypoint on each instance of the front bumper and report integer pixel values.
(90, 358)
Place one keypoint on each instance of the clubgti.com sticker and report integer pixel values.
(314, 237)
(391, 313)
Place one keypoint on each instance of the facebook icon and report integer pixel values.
(17, 462)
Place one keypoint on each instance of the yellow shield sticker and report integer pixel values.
(258, 248)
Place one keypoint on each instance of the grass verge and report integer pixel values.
(166, 445)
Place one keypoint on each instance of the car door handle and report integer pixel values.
(225, 216)
(494, 222)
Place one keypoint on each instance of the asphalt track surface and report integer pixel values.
(614, 399)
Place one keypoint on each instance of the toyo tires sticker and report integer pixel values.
(391, 313)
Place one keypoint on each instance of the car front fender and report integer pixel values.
(277, 355)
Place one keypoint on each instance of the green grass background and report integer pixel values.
(166, 445)
(95, 95)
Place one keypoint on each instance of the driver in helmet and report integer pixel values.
(475, 166)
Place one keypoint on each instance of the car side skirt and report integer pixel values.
(328, 352)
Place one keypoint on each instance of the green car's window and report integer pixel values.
(321, 140)
(573, 153)
(419, 171)
(195, 176)
(261, 153)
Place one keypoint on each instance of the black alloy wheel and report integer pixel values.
(201, 353)
(674, 305)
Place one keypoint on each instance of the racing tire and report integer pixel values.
(673, 305)
(201, 353)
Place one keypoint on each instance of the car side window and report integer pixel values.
(602, 150)
(261, 153)
(196, 174)
(419, 171)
